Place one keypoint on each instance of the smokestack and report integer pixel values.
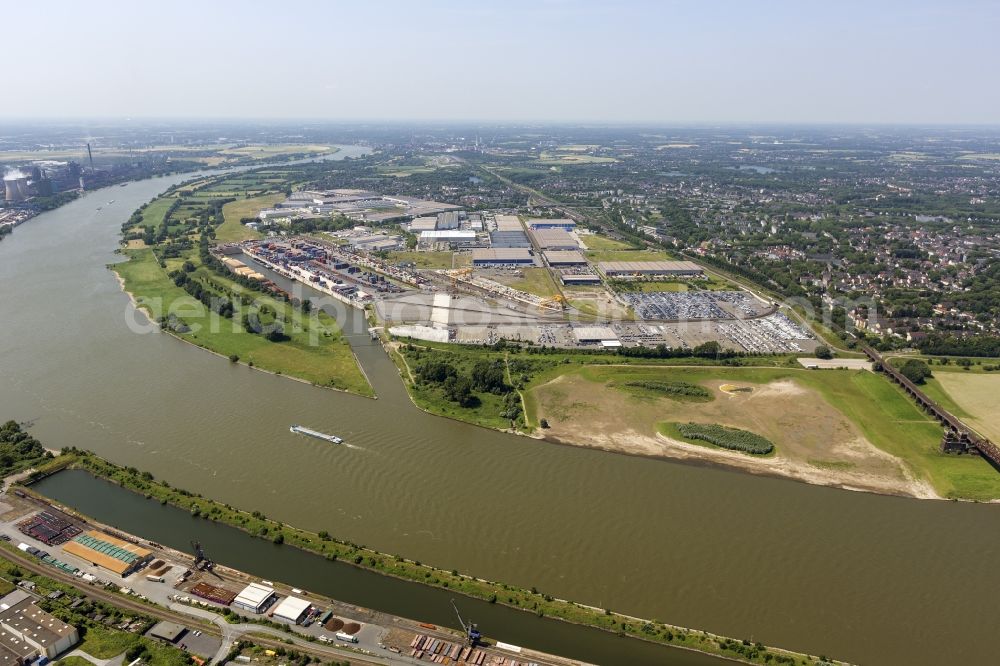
(90, 156)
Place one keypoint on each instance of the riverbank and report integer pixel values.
(172, 276)
(846, 429)
(532, 601)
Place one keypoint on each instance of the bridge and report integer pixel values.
(958, 437)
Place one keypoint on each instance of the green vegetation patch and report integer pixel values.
(310, 346)
(676, 390)
(18, 449)
(733, 439)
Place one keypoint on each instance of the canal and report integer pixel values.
(176, 528)
(861, 577)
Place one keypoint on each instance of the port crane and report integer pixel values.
(201, 562)
(471, 629)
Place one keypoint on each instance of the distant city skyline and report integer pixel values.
(573, 61)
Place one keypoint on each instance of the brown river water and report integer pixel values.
(866, 578)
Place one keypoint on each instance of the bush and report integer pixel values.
(727, 438)
(823, 352)
(670, 389)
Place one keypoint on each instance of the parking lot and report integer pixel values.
(693, 305)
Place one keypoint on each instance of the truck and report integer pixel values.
(154, 579)
(347, 638)
(23, 547)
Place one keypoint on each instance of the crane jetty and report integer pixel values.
(301, 430)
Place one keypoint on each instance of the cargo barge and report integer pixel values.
(300, 430)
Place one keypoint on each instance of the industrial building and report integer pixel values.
(646, 269)
(168, 632)
(565, 258)
(509, 239)
(583, 279)
(107, 552)
(447, 220)
(291, 609)
(502, 256)
(566, 224)
(14, 651)
(255, 598)
(602, 335)
(509, 223)
(453, 237)
(555, 239)
(423, 224)
(27, 623)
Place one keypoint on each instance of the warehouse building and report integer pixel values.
(555, 239)
(107, 552)
(556, 223)
(255, 598)
(509, 239)
(291, 609)
(565, 258)
(502, 256)
(583, 279)
(14, 651)
(46, 633)
(509, 223)
(447, 220)
(450, 236)
(423, 224)
(646, 269)
(601, 335)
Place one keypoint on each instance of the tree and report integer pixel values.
(916, 371)
(708, 349)
(823, 352)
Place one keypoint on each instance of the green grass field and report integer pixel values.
(597, 243)
(316, 352)
(153, 214)
(232, 231)
(423, 259)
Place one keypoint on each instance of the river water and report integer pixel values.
(860, 577)
(177, 528)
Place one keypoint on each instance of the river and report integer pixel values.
(176, 528)
(861, 577)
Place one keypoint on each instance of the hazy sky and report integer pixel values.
(556, 60)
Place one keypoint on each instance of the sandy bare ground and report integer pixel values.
(815, 443)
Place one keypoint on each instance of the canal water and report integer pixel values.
(173, 527)
(861, 577)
